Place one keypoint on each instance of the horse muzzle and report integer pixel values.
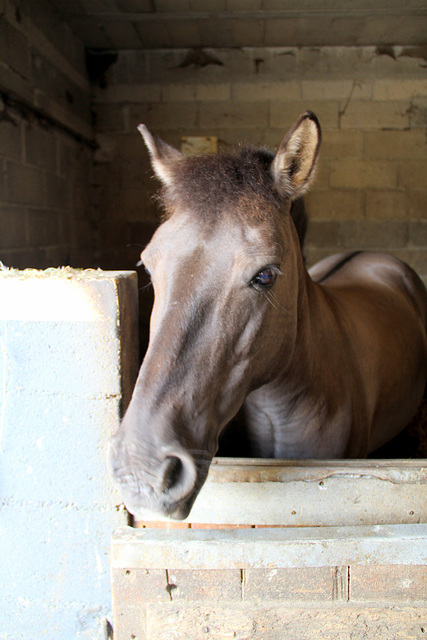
(166, 484)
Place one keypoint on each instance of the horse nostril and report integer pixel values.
(172, 473)
(177, 475)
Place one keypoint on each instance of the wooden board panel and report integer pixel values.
(280, 622)
(309, 493)
(269, 548)
(334, 583)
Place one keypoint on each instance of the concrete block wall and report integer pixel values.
(45, 141)
(68, 361)
(370, 190)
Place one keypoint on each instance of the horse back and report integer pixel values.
(368, 269)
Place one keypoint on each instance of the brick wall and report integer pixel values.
(371, 188)
(45, 134)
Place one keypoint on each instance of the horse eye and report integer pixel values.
(147, 272)
(265, 278)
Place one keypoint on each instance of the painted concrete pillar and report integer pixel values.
(68, 361)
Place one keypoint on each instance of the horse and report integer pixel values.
(328, 362)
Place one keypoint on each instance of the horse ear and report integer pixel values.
(164, 158)
(295, 161)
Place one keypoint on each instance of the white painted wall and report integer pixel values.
(64, 336)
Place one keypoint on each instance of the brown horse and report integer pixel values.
(328, 364)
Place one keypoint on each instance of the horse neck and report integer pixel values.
(304, 390)
(316, 325)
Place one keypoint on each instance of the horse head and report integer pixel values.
(225, 266)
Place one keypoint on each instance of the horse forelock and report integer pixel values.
(238, 184)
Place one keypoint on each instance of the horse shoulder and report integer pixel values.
(380, 303)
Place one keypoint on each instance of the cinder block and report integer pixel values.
(21, 258)
(322, 175)
(392, 204)
(213, 92)
(360, 114)
(341, 144)
(412, 174)
(25, 185)
(372, 234)
(60, 254)
(65, 299)
(337, 89)
(349, 173)
(13, 226)
(165, 115)
(418, 113)
(179, 92)
(132, 173)
(59, 87)
(418, 233)
(40, 147)
(233, 115)
(399, 89)
(68, 361)
(233, 64)
(14, 49)
(61, 334)
(138, 92)
(70, 430)
(264, 91)
(15, 83)
(60, 546)
(10, 139)
(417, 203)
(335, 204)
(284, 114)
(388, 583)
(410, 145)
(109, 117)
(17, 19)
(324, 233)
(57, 191)
(246, 30)
(138, 207)
(55, 38)
(43, 227)
(281, 63)
(229, 138)
(130, 68)
(73, 158)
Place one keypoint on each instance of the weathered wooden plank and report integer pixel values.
(311, 493)
(389, 583)
(269, 548)
(277, 621)
(274, 470)
(295, 584)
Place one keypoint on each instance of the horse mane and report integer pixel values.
(238, 183)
